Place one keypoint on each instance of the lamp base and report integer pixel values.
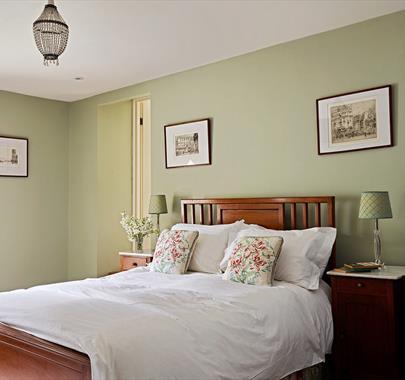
(381, 265)
(377, 246)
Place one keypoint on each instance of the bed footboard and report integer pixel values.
(25, 357)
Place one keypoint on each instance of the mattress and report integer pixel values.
(145, 325)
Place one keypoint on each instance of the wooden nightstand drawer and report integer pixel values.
(130, 260)
(357, 285)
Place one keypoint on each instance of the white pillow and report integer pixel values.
(211, 244)
(303, 257)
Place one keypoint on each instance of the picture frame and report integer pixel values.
(188, 144)
(13, 156)
(355, 121)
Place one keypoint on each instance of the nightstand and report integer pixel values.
(129, 260)
(369, 317)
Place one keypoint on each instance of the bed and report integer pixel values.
(127, 323)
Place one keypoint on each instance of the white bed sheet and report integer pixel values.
(145, 325)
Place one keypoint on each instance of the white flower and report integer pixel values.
(137, 228)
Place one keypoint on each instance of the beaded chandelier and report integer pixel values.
(51, 34)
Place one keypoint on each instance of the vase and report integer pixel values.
(139, 244)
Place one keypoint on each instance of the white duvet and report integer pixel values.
(144, 325)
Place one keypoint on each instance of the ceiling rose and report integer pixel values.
(51, 34)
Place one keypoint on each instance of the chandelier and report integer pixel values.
(51, 34)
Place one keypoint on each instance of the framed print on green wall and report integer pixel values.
(188, 144)
(13, 157)
(355, 121)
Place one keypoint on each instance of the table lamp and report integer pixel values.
(157, 205)
(375, 205)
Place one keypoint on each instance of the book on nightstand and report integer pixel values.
(358, 267)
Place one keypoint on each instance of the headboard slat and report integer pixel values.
(202, 214)
(193, 213)
(209, 214)
(293, 216)
(305, 222)
(317, 214)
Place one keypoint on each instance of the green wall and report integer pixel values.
(114, 181)
(33, 210)
(264, 135)
(82, 205)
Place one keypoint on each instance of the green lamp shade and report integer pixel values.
(375, 205)
(158, 204)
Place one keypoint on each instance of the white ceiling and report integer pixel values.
(113, 44)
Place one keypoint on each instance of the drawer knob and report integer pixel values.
(360, 284)
(135, 264)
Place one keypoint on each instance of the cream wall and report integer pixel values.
(264, 134)
(33, 210)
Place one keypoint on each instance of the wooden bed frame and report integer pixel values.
(25, 357)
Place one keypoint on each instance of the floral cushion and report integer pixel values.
(173, 250)
(253, 260)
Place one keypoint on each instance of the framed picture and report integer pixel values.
(355, 121)
(188, 144)
(13, 157)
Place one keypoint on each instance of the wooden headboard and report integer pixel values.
(280, 213)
